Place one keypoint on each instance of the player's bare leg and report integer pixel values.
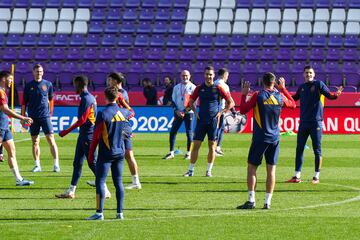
(194, 156)
(251, 183)
(270, 184)
(133, 167)
(211, 157)
(11, 151)
(54, 151)
(36, 152)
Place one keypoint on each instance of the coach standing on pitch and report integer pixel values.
(38, 98)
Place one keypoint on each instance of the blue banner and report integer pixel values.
(147, 119)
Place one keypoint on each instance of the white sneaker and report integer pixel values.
(24, 182)
(133, 186)
(67, 194)
(96, 216)
(168, 156)
(56, 169)
(91, 183)
(36, 169)
(120, 216)
(187, 156)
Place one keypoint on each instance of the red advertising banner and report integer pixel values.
(345, 120)
(137, 99)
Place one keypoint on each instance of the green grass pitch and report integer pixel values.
(173, 207)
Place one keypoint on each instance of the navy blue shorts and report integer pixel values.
(128, 143)
(203, 128)
(259, 149)
(44, 123)
(5, 135)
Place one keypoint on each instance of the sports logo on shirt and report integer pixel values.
(118, 117)
(271, 101)
(44, 87)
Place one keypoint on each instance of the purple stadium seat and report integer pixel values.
(291, 4)
(287, 41)
(204, 54)
(270, 40)
(117, 3)
(139, 53)
(25, 54)
(205, 40)
(265, 66)
(77, 40)
(238, 41)
(146, 14)
(74, 54)
(85, 3)
(148, 3)
(284, 54)
(69, 70)
(95, 27)
(300, 54)
(70, 3)
(174, 40)
(155, 54)
(130, 14)
(283, 69)
(319, 70)
(187, 54)
(113, 14)
(243, 4)
(307, 4)
(9, 53)
(144, 27)
(98, 14)
(93, 40)
(199, 69)
(13, 40)
(45, 40)
(354, 4)
(181, 3)
(297, 72)
(152, 71)
(335, 41)
(350, 54)
(259, 4)
(316, 54)
(54, 67)
(141, 40)
(6, 3)
(323, 3)
(133, 76)
(121, 66)
(158, 40)
(185, 66)
(189, 40)
(58, 54)
(220, 54)
(29, 40)
(38, 3)
(22, 3)
(302, 40)
(125, 40)
(42, 54)
(101, 3)
(351, 73)
(160, 27)
(235, 73)
(236, 54)
(87, 68)
(334, 74)
(23, 72)
(100, 73)
(268, 54)
(168, 69)
(61, 40)
(319, 40)
(132, 3)
(111, 27)
(108, 40)
(340, 3)
(250, 72)
(350, 89)
(221, 41)
(255, 40)
(252, 54)
(176, 27)
(54, 3)
(333, 54)
(122, 54)
(165, 3)
(275, 3)
(128, 27)
(351, 41)
(178, 14)
(171, 54)
(163, 14)
(106, 53)
(90, 54)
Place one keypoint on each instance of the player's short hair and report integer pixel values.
(5, 74)
(307, 67)
(222, 71)
(111, 93)
(36, 66)
(117, 76)
(209, 68)
(268, 78)
(82, 81)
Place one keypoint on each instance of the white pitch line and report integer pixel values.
(235, 211)
(25, 139)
